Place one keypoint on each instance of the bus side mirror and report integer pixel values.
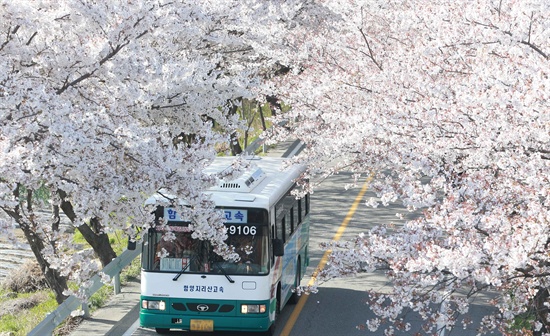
(278, 247)
(131, 244)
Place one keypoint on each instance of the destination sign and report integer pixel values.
(230, 215)
(235, 215)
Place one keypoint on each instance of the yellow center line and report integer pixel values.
(303, 299)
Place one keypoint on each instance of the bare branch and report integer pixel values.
(64, 17)
(358, 87)
(537, 49)
(9, 36)
(32, 37)
(371, 53)
(529, 43)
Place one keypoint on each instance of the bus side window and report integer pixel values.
(296, 212)
(290, 224)
(273, 236)
(281, 229)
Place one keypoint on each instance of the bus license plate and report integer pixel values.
(202, 325)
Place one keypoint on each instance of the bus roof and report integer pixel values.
(260, 186)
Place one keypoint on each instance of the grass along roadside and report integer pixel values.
(25, 299)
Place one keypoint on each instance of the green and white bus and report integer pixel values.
(185, 285)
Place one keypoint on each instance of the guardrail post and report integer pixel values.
(85, 309)
(116, 283)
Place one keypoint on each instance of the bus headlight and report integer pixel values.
(252, 309)
(156, 305)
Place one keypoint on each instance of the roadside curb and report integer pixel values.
(116, 316)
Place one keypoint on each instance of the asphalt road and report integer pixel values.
(339, 308)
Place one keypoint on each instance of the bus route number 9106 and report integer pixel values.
(242, 230)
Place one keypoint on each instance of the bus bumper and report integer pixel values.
(219, 323)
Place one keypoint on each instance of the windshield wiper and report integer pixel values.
(224, 272)
(184, 268)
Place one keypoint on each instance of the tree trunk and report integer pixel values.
(28, 224)
(98, 240)
(234, 144)
(56, 282)
(274, 105)
(93, 233)
(541, 311)
(262, 118)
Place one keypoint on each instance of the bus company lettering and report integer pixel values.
(203, 289)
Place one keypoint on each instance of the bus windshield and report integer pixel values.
(174, 250)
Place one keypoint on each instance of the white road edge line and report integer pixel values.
(133, 328)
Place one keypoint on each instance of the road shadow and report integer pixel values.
(337, 311)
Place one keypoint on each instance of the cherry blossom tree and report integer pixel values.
(447, 104)
(105, 103)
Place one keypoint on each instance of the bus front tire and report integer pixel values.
(162, 331)
(271, 330)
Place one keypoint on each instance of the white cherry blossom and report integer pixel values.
(447, 104)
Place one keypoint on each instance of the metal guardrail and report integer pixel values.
(72, 303)
(254, 145)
